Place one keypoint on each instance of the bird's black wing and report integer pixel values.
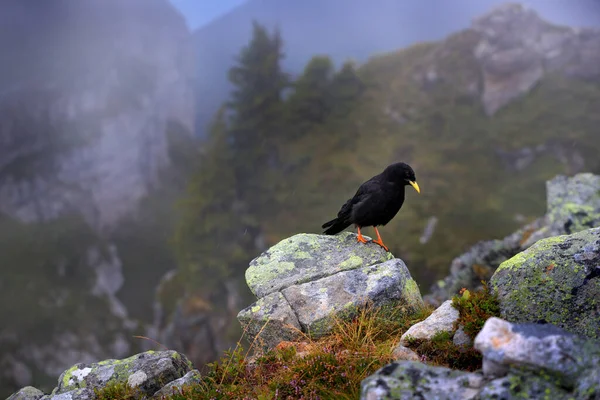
(366, 190)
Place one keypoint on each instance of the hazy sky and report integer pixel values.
(199, 12)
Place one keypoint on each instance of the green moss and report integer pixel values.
(68, 374)
(264, 273)
(542, 245)
(353, 262)
(411, 292)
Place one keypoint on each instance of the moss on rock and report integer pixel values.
(306, 257)
(557, 280)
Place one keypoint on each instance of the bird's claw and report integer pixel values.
(361, 239)
(381, 244)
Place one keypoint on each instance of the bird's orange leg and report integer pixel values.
(379, 241)
(360, 237)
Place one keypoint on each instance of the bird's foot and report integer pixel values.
(361, 238)
(379, 242)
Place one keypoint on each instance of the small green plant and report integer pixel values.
(475, 308)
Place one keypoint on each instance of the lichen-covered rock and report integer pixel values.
(573, 205)
(543, 349)
(270, 320)
(441, 320)
(307, 257)
(191, 378)
(303, 283)
(557, 280)
(76, 394)
(524, 386)
(27, 393)
(411, 380)
(316, 303)
(148, 371)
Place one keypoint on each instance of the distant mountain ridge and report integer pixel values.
(342, 29)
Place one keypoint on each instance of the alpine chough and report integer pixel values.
(375, 203)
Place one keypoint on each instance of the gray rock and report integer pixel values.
(192, 377)
(557, 280)
(305, 282)
(516, 48)
(410, 380)
(543, 349)
(588, 385)
(148, 371)
(461, 339)
(27, 393)
(77, 394)
(404, 353)
(307, 257)
(270, 320)
(441, 320)
(317, 303)
(573, 204)
(523, 386)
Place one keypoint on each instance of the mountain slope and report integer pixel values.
(343, 29)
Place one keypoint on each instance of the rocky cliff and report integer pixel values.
(516, 49)
(90, 95)
(111, 76)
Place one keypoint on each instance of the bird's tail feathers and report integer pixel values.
(334, 226)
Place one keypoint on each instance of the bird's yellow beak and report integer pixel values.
(415, 185)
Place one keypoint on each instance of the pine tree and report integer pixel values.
(346, 89)
(311, 101)
(257, 107)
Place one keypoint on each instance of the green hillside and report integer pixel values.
(285, 164)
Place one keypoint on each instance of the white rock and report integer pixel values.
(441, 320)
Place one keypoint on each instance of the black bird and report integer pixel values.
(376, 202)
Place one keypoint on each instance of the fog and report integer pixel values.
(147, 158)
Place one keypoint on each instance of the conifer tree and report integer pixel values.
(311, 101)
(257, 110)
(346, 89)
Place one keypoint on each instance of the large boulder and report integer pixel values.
(304, 282)
(541, 356)
(557, 280)
(573, 204)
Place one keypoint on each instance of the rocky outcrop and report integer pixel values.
(573, 204)
(557, 280)
(87, 106)
(519, 361)
(148, 375)
(88, 132)
(305, 281)
(517, 48)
